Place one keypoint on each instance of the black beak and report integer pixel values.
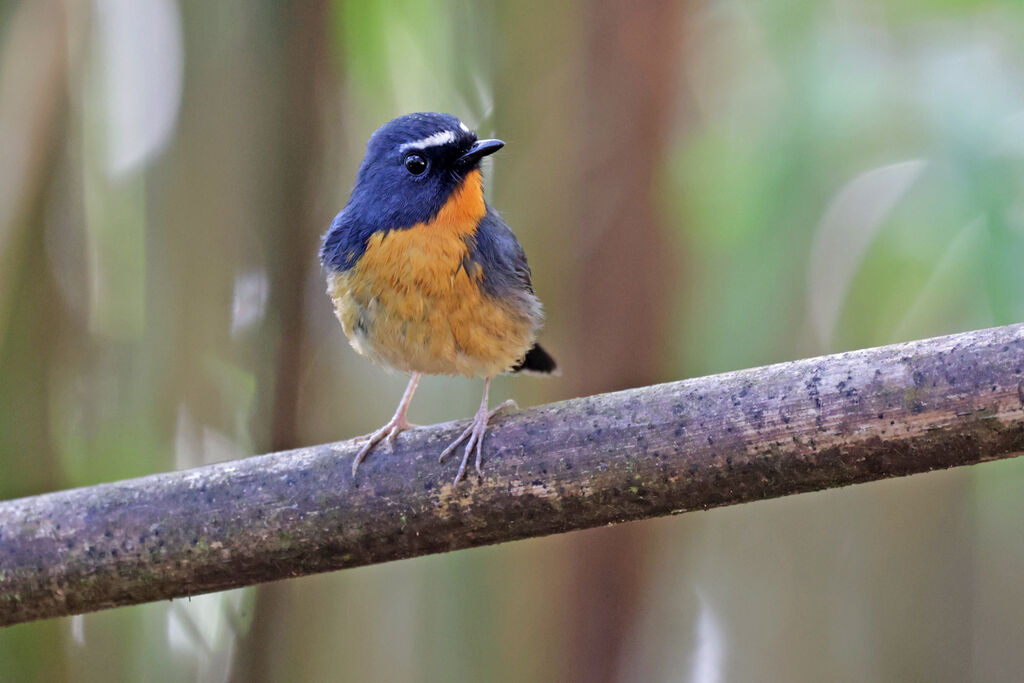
(478, 151)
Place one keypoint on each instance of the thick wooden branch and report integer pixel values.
(731, 438)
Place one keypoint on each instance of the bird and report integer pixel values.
(425, 277)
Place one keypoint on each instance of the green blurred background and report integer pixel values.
(700, 186)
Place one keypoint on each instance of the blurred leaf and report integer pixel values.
(140, 66)
(851, 222)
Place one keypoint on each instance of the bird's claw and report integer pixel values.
(475, 433)
(390, 432)
(398, 429)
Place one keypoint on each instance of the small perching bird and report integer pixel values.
(424, 276)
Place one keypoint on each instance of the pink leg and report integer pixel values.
(475, 433)
(393, 428)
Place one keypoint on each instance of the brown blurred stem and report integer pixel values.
(690, 445)
(632, 85)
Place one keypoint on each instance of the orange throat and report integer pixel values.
(463, 210)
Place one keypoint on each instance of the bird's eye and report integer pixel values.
(415, 164)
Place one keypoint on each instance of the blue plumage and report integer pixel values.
(495, 249)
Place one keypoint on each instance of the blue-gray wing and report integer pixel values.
(506, 276)
(495, 249)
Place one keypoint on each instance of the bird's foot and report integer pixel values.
(390, 431)
(475, 433)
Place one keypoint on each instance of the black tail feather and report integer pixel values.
(537, 360)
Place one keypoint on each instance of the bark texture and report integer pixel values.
(718, 440)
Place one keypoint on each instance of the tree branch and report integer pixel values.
(719, 440)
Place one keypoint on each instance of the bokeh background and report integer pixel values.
(700, 185)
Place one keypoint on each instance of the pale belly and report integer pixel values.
(436, 325)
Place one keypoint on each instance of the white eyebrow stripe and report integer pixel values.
(464, 127)
(443, 137)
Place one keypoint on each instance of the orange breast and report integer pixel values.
(410, 303)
